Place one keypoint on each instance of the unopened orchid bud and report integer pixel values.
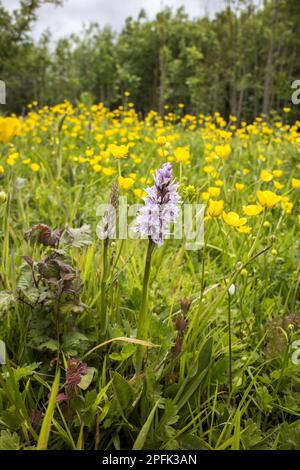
(176, 350)
(185, 305)
(180, 323)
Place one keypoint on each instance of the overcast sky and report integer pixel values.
(68, 19)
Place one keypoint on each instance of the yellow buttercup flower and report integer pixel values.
(215, 208)
(209, 169)
(223, 151)
(287, 207)
(107, 171)
(268, 198)
(252, 210)
(139, 192)
(125, 183)
(1, 170)
(214, 191)
(233, 219)
(182, 155)
(161, 140)
(295, 183)
(118, 151)
(9, 127)
(97, 168)
(278, 185)
(10, 161)
(239, 186)
(205, 196)
(35, 167)
(266, 176)
(89, 152)
(244, 229)
(277, 173)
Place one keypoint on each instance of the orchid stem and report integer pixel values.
(144, 320)
(104, 320)
(229, 344)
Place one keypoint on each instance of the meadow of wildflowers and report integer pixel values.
(136, 342)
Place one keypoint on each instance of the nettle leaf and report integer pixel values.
(51, 344)
(72, 307)
(168, 418)
(42, 234)
(9, 441)
(6, 299)
(32, 295)
(252, 435)
(55, 268)
(74, 341)
(26, 370)
(77, 237)
(25, 280)
(11, 418)
(86, 379)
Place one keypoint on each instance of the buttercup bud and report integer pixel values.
(3, 197)
(231, 289)
(244, 272)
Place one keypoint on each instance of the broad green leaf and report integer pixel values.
(86, 379)
(124, 392)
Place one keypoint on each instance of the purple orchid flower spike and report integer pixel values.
(161, 206)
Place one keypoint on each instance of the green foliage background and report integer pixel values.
(242, 61)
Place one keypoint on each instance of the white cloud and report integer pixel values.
(70, 18)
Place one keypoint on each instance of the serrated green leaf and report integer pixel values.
(26, 370)
(9, 441)
(6, 299)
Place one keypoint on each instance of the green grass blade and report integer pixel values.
(45, 430)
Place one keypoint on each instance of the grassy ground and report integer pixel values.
(220, 366)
